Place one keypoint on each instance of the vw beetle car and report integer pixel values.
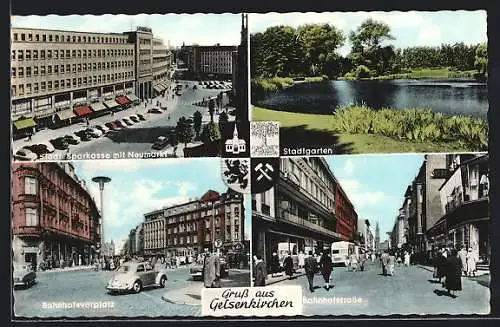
(24, 275)
(134, 276)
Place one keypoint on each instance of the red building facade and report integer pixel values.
(54, 218)
(347, 218)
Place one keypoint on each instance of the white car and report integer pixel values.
(94, 132)
(25, 155)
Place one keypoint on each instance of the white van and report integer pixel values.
(340, 252)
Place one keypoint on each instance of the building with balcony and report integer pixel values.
(298, 213)
(464, 203)
(187, 229)
(54, 218)
(59, 77)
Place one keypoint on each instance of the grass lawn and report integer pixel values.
(443, 72)
(321, 127)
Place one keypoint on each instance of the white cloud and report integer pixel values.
(349, 167)
(429, 35)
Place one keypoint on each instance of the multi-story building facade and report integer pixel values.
(298, 213)
(347, 218)
(215, 62)
(54, 218)
(186, 229)
(366, 234)
(57, 76)
(377, 236)
(464, 206)
(398, 234)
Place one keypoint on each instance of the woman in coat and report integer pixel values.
(453, 271)
(260, 271)
(326, 267)
(275, 264)
(439, 264)
(288, 265)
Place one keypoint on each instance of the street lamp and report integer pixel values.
(101, 180)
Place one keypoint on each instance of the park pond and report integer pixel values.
(449, 96)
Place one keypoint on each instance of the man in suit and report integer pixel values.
(211, 270)
(310, 266)
(384, 259)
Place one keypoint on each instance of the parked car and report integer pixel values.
(83, 135)
(25, 154)
(48, 147)
(94, 132)
(24, 275)
(133, 118)
(163, 108)
(60, 143)
(141, 117)
(154, 111)
(160, 142)
(120, 123)
(102, 128)
(71, 140)
(196, 269)
(113, 126)
(134, 276)
(128, 122)
(37, 149)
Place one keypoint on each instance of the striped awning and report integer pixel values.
(132, 97)
(165, 85)
(157, 88)
(98, 106)
(66, 114)
(24, 123)
(111, 104)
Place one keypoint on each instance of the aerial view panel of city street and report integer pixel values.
(125, 87)
(125, 238)
(360, 243)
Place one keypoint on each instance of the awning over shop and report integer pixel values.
(82, 110)
(24, 123)
(157, 88)
(98, 106)
(132, 97)
(164, 85)
(122, 100)
(66, 114)
(111, 104)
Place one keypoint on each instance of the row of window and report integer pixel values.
(69, 54)
(36, 37)
(29, 88)
(34, 71)
(31, 219)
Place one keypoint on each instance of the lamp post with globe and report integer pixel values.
(101, 180)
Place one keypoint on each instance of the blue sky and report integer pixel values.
(203, 29)
(375, 184)
(140, 186)
(409, 28)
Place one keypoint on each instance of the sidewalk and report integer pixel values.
(479, 272)
(74, 268)
(189, 295)
(282, 276)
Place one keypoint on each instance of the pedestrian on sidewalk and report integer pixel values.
(302, 257)
(384, 260)
(471, 263)
(311, 266)
(288, 265)
(391, 262)
(439, 263)
(275, 264)
(406, 259)
(259, 271)
(462, 254)
(453, 271)
(29, 136)
(211, 270)
(326, 269)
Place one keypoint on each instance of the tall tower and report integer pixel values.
(377, 236)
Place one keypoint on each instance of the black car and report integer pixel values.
(71, 140)
(141, 117)
(83, 135)
(38, 149)
(154, 111)
(60, 143)
(134, 119)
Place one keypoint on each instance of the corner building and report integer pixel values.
(60, 75)
(54, 217)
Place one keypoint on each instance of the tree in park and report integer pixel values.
(197, 117)
(367, 45)
(211, 109)
(481, 61)
(223, 119)
(262, 130)
(210, 133)
(185, 131)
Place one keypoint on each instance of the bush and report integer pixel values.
(362, 72)
(210, 133)
(416, 125)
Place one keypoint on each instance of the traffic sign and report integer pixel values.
(218, 243)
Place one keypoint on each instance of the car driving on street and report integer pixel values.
(134, 276)
(24, 275)
(160, 142)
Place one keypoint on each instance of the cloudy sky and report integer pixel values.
(409, 28)
(376, 184)
(140, 186)
(203, 29)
